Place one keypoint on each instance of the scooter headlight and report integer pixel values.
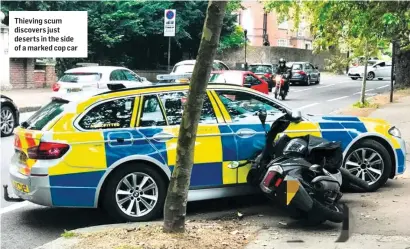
(278, 78)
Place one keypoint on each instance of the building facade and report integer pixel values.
(279, 34)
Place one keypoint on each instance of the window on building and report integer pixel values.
(283, 43)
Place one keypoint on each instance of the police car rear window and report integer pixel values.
(43, 116)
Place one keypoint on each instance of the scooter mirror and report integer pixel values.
(262, 116)
(296, 114)
(233, 165)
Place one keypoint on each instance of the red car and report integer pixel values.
(242, 78)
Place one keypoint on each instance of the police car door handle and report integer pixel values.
(162, 137)
(245, 133)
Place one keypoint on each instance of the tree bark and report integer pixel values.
(366, 58)
(176, 200)
(402, 67)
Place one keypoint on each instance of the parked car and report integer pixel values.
(261, 69)
(240, 78)
(187, 66)
(375, 69)
(303, 73)
(10, 116)
(80, 78)
(104, 150)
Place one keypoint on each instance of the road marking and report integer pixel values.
(364, 91)
(338, 98)
(303, 90)
(325, 86)
(13, 207)
(306, 106)
(380, 87)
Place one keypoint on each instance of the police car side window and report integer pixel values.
(243, 107)
(151, 114)
(108, 115)
(174, 104)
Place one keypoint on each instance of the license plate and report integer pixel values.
(21, 187)
(71, 90)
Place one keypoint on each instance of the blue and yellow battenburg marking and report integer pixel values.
(74, 180)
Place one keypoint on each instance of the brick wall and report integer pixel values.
(23, 75)
(39, 78)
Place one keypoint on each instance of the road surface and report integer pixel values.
(26, 225)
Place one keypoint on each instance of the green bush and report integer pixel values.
(337, 64)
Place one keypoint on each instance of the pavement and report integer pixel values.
(29, 100)
(43, 224)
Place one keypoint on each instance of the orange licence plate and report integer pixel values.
(21, 187)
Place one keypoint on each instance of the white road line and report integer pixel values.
(325, 86)
(306, 106)
(338, 98)
(364, 91)
(13, 207)
(380, 87)
(303, 90)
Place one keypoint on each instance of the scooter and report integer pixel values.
(301, 174)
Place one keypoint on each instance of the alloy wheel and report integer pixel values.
(7, 121)
(137, 194)
(366, 164)
(370, 76)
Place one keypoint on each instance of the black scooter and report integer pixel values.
(302, 174)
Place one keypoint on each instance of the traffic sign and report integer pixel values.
(169, 22)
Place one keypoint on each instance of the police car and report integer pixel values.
(116, 148)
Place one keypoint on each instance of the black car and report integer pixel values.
(303, 73)
(9, 116)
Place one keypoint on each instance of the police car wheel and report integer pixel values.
(370, 160)
(136, 192)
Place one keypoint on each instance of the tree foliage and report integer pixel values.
(130, 33)
(360, 26)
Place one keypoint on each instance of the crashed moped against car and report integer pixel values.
(302, 174)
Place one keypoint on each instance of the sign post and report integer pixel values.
(169, 30)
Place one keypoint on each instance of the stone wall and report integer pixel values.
(272, 55)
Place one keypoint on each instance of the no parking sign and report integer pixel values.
(169, 22)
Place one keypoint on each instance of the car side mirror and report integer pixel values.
(262, 116)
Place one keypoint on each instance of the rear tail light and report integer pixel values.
(17, 142)
(56, 87)
(268, 178)
(301, 72)
(272, 177)
(47, 151)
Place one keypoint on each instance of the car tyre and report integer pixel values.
(370, 76)
(354, 78)
(318, 80)
(138, 197)
(307, 82)
(380, 78)
(8, 118)
(371, 146)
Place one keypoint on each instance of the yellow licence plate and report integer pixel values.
(21, 187)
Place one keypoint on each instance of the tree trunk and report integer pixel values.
(402, 67)
(366, 58)
(176, 201)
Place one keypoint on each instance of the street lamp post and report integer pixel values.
(245, 32)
